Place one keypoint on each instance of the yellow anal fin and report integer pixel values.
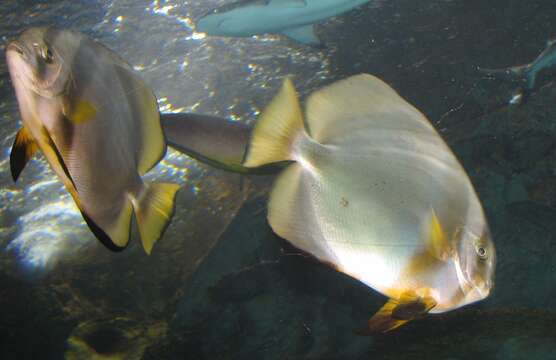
(397, 312)
(154, 209)
(438, 244)
(23, 148)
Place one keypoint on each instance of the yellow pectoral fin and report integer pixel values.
(438, 244)
(23, 148)
(82, 112)
(397, 312)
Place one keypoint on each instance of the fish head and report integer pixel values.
(475, 263)
(39, 60)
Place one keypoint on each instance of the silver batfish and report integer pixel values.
(375, 192)
(98, 126)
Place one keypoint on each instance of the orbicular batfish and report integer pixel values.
(293, 18)
(374, 191)
(98, 126)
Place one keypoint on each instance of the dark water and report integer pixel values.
(220, 284)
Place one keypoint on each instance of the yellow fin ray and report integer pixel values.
(438, 244)
(154, 208)
(275, 130)
(397, 312)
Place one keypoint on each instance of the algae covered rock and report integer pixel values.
(116, 338)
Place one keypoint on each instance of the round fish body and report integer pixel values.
(97, 124)
(373, 197)
(377, 193)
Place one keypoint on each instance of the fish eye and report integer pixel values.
(481, 252)
(46, 55)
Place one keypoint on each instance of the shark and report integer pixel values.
(526, 74)
(292, 18)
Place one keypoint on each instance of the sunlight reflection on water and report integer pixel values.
(188, 71)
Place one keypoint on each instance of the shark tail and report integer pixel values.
(520, 74)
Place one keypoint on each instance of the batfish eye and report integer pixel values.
(481, 251)
(46, 55)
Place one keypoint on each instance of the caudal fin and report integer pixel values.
(154, 208)
(518, 74)
(276, 129)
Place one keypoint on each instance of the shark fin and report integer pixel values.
(523, 74)
(303, 34)
(22, 150)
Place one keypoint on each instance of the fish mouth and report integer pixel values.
(476, 293)
(17, 58)
(473, 291)
(16, 47)
(484, 292)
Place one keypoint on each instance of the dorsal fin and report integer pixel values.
(142, 100)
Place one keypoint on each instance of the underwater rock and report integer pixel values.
(536, 214)
(254, 296)
(93, 283)
(504, 334)
(543, 190)
(257, 297)
(118, 338)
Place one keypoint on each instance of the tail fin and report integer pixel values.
(276, 129)
(154, 208)
(521, 74)
(530, 77)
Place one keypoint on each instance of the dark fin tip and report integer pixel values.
(18, 157)
(15, 161)
(101, 235)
